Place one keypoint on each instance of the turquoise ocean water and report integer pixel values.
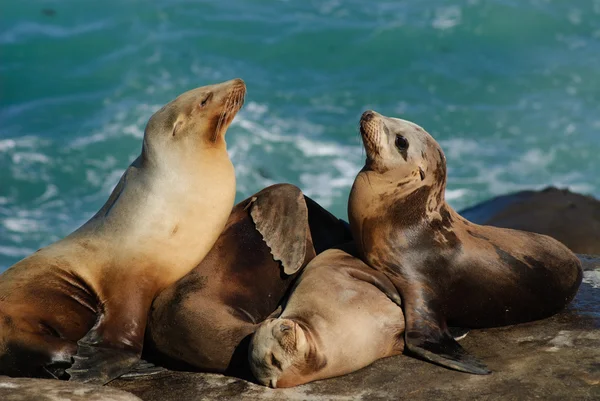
(511, 89)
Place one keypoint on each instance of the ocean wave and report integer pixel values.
(27, 29)
(592, 278)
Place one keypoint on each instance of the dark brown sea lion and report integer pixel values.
(78, 308)
(447, 270)
(338, 319)
(569, 217)
(205, 319)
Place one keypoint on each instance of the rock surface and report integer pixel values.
(552, 359)
(571, 218)
(55, 390)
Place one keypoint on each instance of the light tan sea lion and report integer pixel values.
(338, 319)
(87, 296)
(447, 270)
(204, 320)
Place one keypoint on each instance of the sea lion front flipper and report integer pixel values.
(281, 216)
(113, 345)
(448, 353)
(458, 333)
(379, 280)
(143, 368)
(427, 337)
(98, 365)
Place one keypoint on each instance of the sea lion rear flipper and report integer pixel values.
(98, 365)
(281, 216)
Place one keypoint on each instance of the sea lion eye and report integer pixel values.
(275, 362)
(401, 143)
(205, 100)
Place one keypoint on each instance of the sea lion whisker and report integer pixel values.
(220, 121)
(226, 111)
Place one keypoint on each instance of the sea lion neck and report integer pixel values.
(380, 209)
(407, 202)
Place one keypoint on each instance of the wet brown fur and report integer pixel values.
(203, 319)
(450, 271)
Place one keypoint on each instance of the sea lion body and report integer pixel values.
(87, 296)
(204, 320)
(448, 271)
(337, 320)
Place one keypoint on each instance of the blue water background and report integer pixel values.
(510, 88)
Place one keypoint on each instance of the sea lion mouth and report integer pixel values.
(233, 104)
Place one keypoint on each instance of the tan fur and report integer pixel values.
(333, 324)
(160, 221)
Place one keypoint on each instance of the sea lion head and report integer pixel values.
(402, 184)
(278, 352)
(401, 150)
(196, 119)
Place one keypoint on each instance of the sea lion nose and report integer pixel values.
(367, 116)
(238, 82)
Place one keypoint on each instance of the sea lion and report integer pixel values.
(338, 319)
(447, 270)
(205, 319)
(87, 296)
(571, 218)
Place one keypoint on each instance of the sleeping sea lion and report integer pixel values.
(78, 307)
(447, 270)
(338, 319)
(204, 320)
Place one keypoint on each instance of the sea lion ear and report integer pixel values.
(281, 217)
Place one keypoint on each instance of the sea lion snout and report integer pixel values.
(286, 333)
(368, 116)
(370, 123)
(370, 131)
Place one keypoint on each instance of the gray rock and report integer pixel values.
(12, 389)
(571, 218)
(552, 359)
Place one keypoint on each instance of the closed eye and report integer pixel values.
(275, 362)
(206, 99)
(176, 127)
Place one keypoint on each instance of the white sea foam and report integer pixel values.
(50, 192)
(23, 30)
(322, 168)
(25, 142)
(14, 252)
(447, 17)
(29, 157)
(592, 277)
